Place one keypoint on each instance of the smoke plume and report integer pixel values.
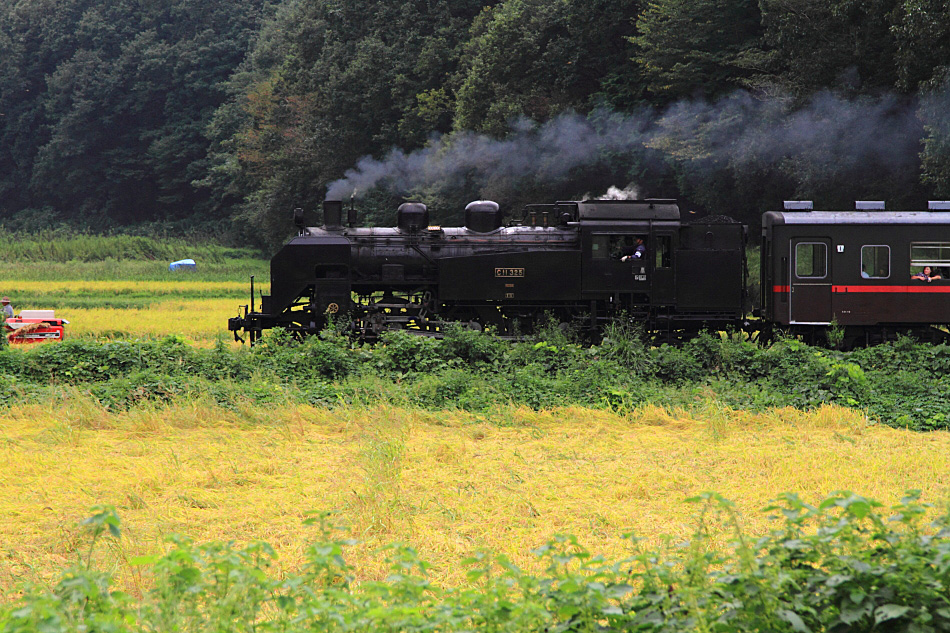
(830, 135)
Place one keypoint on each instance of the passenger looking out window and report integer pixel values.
(928, 274)
(929, 260)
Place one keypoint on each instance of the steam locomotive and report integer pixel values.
(576, 262)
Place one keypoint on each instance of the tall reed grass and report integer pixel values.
(133, 270)
(50, 247)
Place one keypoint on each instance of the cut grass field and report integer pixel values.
(447, 483)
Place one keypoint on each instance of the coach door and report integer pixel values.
(810, 275)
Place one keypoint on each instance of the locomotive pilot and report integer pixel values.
(636, 251)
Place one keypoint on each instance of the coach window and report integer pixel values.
(933, 254)
(810, 260)
(875, 262)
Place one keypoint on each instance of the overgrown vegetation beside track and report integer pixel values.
(901, 383)
(840, 565)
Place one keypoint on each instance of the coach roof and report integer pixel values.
(855, 217)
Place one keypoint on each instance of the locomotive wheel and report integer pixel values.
(377, 323)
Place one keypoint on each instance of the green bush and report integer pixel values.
(472, 348)
(546, 355)
(139, 387)
(454, 388)
(327, 355)
(401, 352)
(901, 383)
(676, 365)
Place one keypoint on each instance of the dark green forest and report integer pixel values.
(199, 115)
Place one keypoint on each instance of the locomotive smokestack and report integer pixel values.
(333, 215)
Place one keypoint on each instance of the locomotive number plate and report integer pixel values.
(509, 272)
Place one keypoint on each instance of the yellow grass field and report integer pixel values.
(199, 321)
(195, 310)
(447, 483)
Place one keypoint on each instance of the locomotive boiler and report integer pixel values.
(573, 261)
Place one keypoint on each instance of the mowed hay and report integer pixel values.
(447, 483)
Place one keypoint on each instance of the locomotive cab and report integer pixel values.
(609, 229)
(691, 275)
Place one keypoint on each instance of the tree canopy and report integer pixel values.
(105, 105)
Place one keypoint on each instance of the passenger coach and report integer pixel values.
(856, 269)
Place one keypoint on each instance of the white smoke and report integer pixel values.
(630, 192)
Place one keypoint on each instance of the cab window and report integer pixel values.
(663, 248)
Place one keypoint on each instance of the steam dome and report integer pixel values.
(482, 216)
(412, 216)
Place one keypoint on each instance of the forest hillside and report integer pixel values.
(199, 115)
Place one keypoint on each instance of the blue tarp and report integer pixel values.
(183, 264)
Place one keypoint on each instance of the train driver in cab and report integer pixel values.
(636, 250)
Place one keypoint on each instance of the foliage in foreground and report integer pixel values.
(899, 383)
(837, 566)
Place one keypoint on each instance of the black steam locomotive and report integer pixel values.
(577, 262)
(586, 263)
